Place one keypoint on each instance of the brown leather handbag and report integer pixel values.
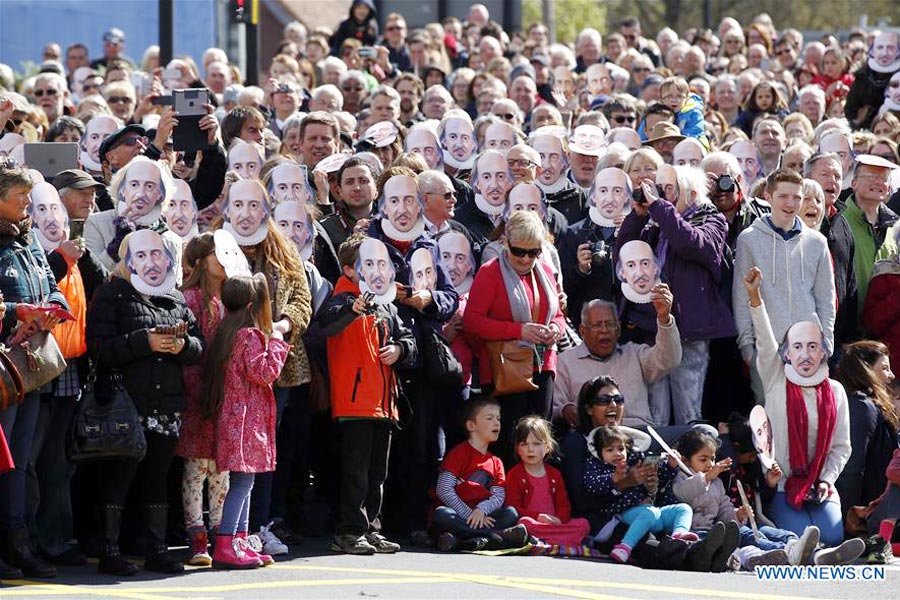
(37, 359)
(512, 366)
(12, 390)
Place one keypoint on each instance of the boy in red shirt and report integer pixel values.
(470, 488)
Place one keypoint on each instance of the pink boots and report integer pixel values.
(230, 554)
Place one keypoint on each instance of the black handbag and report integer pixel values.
(106, 425)
(442, 368)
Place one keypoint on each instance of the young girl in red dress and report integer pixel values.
(245, 358)
(537, 491)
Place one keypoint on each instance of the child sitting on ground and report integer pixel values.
(706, 494)
(537, 491)
(470, 489)
(627, 488)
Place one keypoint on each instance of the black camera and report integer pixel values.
(726, 184)
(599, 253)
(637, 194)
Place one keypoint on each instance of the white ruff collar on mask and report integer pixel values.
(194, 232)
(494, 212)
(890, 105)
(148, 220)
(551, 188)
(89, 164)
(812, 381)
(247, 240)
(306, 251)
(153, 290)
(464, 165)
(465, 286)
(385, 298)
(46, 244)
(634, 296)
(599, 219)
(403, 236)
(891, 68)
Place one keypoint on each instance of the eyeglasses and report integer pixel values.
(622, 119)
(47, 92)
(641, 69)
(119, 99)
(602, 326)
(673, 97)
(878, 178)
(523, 163)
(609, 399)
(783, 51)
(129, 141)
(444, 195)
(507, 116)
(352, 89)
(523, 252)
(393, 28)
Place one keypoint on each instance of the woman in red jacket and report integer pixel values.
(515, 297)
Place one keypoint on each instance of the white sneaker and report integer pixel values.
(271, 545)
(800, 551)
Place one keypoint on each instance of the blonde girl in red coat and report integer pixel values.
(537, 491)
(245, 359)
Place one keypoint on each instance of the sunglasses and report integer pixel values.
(621, 119)
(42, 93)
(444, 195)
(118, 100)
(783, 51)
(393, 28)
(641, 70)
(507, 116)
(609, 399)
(523, 163)
(523, 252)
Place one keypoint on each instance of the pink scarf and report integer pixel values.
(804, 475)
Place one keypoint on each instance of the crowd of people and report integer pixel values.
(445, 287)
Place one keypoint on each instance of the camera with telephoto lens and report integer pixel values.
(637, 194)
(599, 253)
(725, 184)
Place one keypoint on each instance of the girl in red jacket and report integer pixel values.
(245, 358)
(537, 491)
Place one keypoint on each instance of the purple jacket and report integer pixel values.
(693, 265)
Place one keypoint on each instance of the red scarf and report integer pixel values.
(804, 475)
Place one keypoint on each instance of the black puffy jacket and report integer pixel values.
(118, 323)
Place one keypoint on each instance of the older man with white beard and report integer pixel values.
(559, 192)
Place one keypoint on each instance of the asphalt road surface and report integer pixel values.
(313, 572)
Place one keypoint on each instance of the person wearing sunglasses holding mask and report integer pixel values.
(516, 297)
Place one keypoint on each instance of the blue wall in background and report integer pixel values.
(27, 25)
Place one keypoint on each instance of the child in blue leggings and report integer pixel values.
(625, 486)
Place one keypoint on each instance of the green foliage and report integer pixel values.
(571, 17)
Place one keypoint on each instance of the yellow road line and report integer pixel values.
(30, 588)
(662, 588)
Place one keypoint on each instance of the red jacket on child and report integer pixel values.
(519, 490)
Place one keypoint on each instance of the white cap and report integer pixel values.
(875, 161)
